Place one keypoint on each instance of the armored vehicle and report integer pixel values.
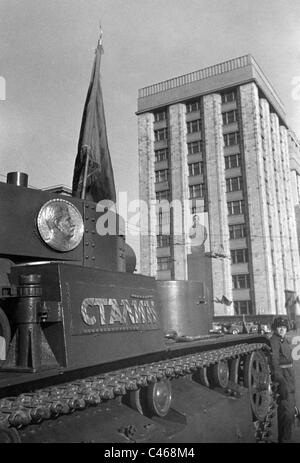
(81, 332)
(92, 351)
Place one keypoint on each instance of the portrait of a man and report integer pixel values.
(60, 225)
(198, 235)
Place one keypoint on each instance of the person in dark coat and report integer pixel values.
(283, 374)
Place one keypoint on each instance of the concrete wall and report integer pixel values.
(179, 186)
(272, 204)
(216, 199)
(147, 194)
(292, 239)
(256, 199)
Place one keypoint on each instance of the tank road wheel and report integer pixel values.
(234, 370)
(219, 373)
(159, 397)
(201, 377)
(9, 435)
(154, 399)
(257, 380)
(5, 336)
(135, 400)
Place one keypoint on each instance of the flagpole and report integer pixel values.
(100, 37)
(87, 150)
(93, 144)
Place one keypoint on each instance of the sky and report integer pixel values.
(46, 56)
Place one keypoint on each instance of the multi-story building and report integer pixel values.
(217, 141)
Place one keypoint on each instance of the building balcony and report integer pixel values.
(233, 172)
(161, 186)
(161, 165)
(242, 294)
(236, 219)
(194, 158)
(233, 127)
(230, 106)
(234, 195)
(193, 136)
(195, 179)
(160, 125)
(193, 116)
(239, 243)
(233, 149)
(239, 268)
(161, 144)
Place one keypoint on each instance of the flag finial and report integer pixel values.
(100, 36)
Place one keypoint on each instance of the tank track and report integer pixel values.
(51, 402)
(263, 429)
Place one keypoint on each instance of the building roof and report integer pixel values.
(214, 78)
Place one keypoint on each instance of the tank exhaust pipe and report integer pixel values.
(17, 178)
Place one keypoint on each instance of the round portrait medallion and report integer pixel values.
(60, 225)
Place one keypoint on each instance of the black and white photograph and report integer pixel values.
(150, 224)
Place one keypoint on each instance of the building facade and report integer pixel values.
(216, 141)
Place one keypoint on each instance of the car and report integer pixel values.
(242, 327)
(217, 328)
(265, 328)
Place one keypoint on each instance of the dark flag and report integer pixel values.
(224, 300)
(93, 177)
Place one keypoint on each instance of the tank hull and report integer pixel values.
(90, 318)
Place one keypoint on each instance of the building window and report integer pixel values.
(193, 106)
(239, 256)
(161, 134)
(236, 207)
(234, 160)
(164, 263)
(163, 241)
(161, 175)
(241, 281)
(194, 147)
(196, 191)
(237, 231)
(194, 126)
(234, 184)
(197, 209)
(164, 194)
(228, 97)
(242, 307)
(161, 155)
(196, 168)
(231, 139)
(160, 116)
(163, 219)
(229, 117)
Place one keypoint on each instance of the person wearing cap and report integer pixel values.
(283, 374)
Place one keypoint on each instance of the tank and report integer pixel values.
(90, 351)
(79, 334)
